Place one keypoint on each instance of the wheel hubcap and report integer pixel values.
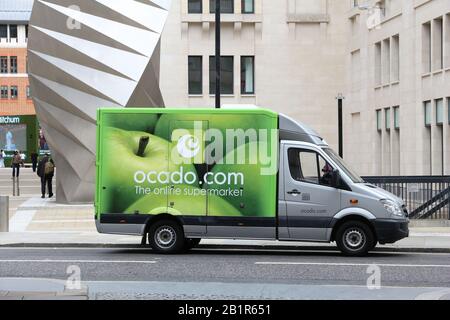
(354, 239)
(165, 237)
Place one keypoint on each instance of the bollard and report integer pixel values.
(4, 214)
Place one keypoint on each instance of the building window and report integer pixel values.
(439, 111)
(378, 63)
(395, 56)
(396, 118)
(195, 75)
(195, 6)
(26, 31)
(379, 120)
(248, 75)
(4, 92)
(3, 31)
(3, 64)
(14, 92)
(28, 92)
(13, 31)
(248, 6)
(427, 111)
(426, 47)
(438, 44)
(447, 40)
(387, 118)
(386, 61)
(355, 24)
(226, 6)
(227, 75)
(448, 109)
(13, 64)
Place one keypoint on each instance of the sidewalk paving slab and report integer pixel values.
(38, 289)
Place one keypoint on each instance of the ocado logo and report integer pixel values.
(188, 146)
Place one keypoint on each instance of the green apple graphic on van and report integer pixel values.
(132, 122)
(132, 152)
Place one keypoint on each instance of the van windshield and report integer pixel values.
(342, 165)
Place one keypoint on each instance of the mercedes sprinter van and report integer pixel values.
(175, 176)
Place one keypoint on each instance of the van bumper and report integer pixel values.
(391, 230)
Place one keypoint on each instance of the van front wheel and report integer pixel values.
(166, 236)
(355, 238)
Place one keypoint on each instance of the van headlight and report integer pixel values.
(392, 207)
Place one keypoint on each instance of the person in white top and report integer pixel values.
(23, 157)
(2, 158)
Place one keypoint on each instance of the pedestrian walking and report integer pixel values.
(16, 163)
(46, 171)
(23, 157)
(34, 160)
(2, 158)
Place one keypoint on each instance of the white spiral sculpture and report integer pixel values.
(85, 55)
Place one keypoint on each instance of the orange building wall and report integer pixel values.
(21, 105)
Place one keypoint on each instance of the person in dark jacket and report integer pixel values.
(45, 171)
(34, 160)
(16, 163)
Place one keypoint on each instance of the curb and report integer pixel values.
(221, 246)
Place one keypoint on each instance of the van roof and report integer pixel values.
(168, 110)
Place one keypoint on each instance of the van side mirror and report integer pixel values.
(335, 179)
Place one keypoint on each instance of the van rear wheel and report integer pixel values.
(166, 236)
(355, 238)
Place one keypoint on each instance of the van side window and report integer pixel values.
(309, 166)
(294, 164)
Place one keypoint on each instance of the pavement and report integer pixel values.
(39, 289)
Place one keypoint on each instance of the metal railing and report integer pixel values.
(426, 197)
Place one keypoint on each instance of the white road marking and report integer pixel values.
(355, 264)
(20, 221)
(81, 261)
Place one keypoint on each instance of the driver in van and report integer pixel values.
(325, 179)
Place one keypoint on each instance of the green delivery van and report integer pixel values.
(176, 176)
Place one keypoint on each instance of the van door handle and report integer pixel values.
(294, 192)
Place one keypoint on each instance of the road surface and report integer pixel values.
(232, 273)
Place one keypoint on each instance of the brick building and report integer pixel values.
(15, 97)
